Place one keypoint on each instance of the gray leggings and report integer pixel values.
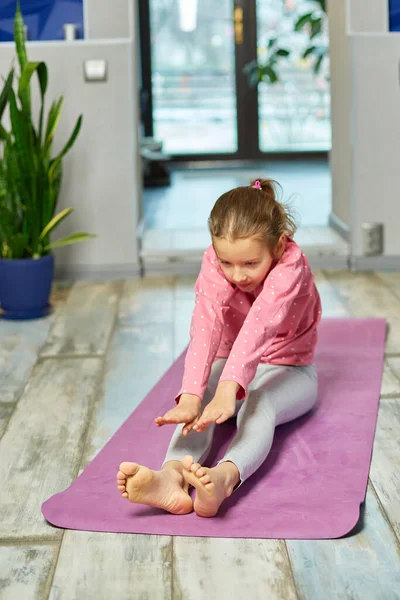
(276, 395)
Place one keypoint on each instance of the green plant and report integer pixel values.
(30, 178)
(313, 23)
(266, 70)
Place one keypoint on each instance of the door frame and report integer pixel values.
(246, 96)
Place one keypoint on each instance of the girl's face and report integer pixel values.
(245, 262)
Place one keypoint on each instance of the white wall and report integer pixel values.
(376, 137)
(106, 19)
(340, 156)
(365, 125)
(366, 15)
(102, 173)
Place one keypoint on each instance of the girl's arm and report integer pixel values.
(213, 293)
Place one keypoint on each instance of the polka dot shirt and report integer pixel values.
(276, 323)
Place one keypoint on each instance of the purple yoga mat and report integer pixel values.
(310, 486)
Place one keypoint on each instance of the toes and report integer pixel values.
(125, 495)
(122, 488)
(187, 462)
(195, 467)
(128, 468)
(205, 479)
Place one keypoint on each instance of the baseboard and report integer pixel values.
(339, 226)
(339, 263)
(159, 268)
(156, 268)
(375, 263)
(93, 272)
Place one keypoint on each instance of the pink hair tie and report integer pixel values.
(257, 185)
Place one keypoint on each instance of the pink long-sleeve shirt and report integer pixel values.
(275, 324)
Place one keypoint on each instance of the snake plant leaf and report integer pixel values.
(52, 122)
(13, 176)
(55, 187)
(70, 239)
(27, 164)
(67, 147)
(28, 71)
(55, 221)
(5, 92)
(19, 37)
(41, 69)
(43, 79)
(3, 183)
(24, 82)
(19, 129)
(4, 135)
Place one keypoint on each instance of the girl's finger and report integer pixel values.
(212, 418)
(207, 418)
(201, 427)
(189, 426)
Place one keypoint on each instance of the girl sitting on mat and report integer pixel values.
(253, 335)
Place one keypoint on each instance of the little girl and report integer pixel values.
(253, 336)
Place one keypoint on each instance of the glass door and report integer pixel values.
(200, 102)
(294, 113)
(193, 76)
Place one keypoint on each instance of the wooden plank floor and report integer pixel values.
(68, 382)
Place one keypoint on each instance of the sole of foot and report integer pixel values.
(161, 489)
(211, 486)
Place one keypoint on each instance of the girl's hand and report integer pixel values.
(221, 407)
(187, 411)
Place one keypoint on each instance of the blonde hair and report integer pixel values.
(248, 211)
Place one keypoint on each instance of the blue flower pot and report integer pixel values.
(25, 286)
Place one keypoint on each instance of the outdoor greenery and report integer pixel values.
(30, 176)
(313, 23)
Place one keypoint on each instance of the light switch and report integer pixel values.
(95, 70)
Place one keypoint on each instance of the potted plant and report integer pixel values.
(30, 182)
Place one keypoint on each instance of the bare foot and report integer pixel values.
(212, 485)
(164, 489)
